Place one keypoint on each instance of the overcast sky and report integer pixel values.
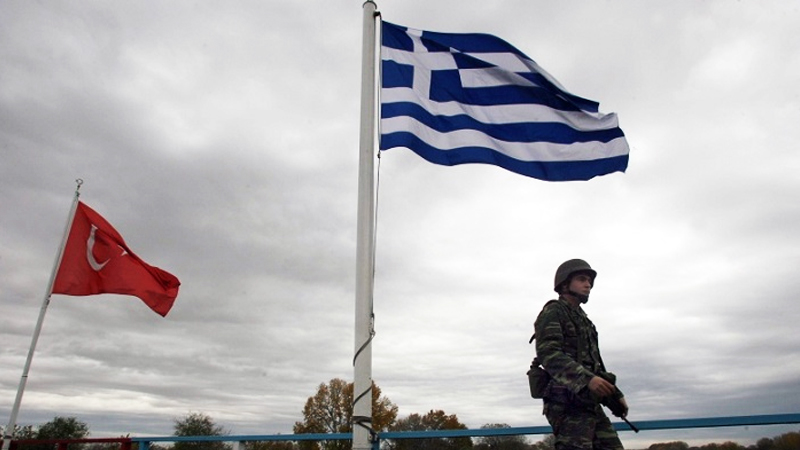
(221, 140)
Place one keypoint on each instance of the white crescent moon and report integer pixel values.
(90, 256)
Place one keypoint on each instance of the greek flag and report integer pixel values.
(474, 98)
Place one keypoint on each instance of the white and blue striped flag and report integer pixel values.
(474, 98)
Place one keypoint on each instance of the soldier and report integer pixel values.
(566, 346)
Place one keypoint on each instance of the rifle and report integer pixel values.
(613, 402)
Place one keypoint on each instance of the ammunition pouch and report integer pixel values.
(538, 379)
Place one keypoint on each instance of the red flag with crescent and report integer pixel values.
(96, 260)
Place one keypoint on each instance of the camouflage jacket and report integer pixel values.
(566, 345)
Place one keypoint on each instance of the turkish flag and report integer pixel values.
(96, 260)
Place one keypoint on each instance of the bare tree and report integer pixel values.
(548, 443)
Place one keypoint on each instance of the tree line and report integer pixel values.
(330, 411)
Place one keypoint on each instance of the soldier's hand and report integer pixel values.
(600, 387)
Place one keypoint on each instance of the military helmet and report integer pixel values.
(567, 268)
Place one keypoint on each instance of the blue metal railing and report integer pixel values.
(672, 424)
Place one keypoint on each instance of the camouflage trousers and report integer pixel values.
(581, 427)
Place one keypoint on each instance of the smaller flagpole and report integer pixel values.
(12, 422)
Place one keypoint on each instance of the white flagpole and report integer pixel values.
(365, 243)
(12, 422)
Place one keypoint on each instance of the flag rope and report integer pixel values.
(374, 265)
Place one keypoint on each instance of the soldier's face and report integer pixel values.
(581, 283)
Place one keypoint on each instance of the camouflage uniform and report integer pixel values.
(566, 346)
